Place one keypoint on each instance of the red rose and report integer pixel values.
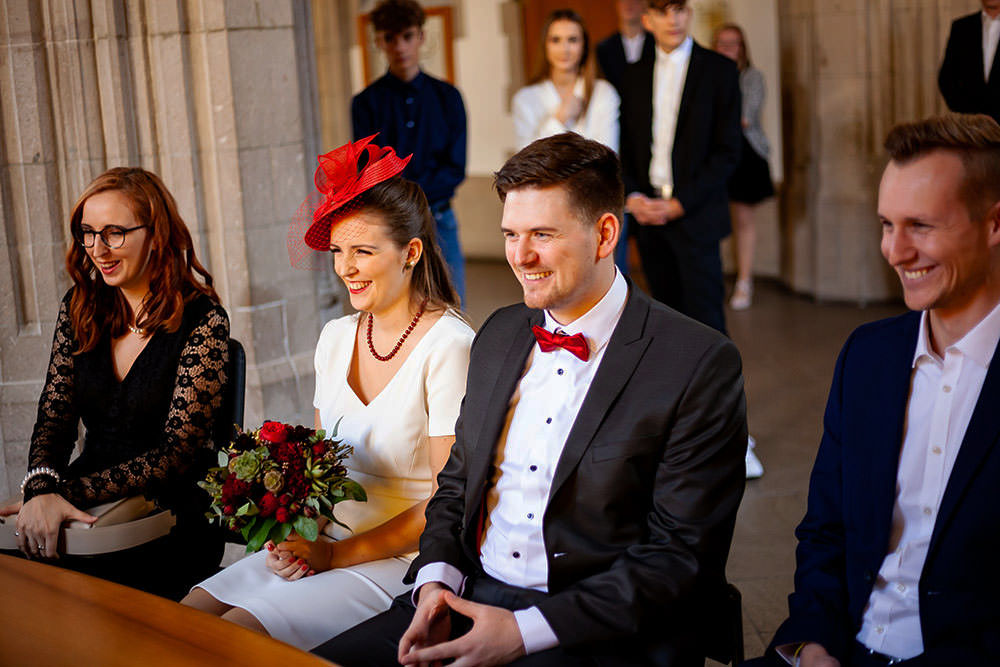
(274, 432)
(319, 449)
(268, 504)
(281, 515)
(284, 499)
(229, 509)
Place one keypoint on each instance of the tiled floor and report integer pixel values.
(789, 346)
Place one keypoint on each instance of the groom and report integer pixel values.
(588, 504)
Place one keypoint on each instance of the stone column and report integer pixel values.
(851, 69)
(218, 98)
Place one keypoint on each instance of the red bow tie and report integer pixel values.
(575, 344)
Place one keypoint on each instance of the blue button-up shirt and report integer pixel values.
(425, 117)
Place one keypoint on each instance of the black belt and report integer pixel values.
(441, 207)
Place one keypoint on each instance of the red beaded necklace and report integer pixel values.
(399, 343)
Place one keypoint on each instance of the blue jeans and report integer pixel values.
(447, 239)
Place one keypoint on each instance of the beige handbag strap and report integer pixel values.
(82, 540)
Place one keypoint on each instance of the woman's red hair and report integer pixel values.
(96, 307)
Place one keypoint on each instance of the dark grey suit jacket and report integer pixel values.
(644, 498)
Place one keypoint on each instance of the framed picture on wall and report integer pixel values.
(437, 56)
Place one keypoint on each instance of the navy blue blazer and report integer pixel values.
(844, 536)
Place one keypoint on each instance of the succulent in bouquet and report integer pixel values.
(277, 479)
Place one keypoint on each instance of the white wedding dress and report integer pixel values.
(390, 461)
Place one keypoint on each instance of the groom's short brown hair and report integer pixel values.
(588, 170)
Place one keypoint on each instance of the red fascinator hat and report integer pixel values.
(342, 175)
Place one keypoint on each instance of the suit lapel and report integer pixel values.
(511, 369)
(980, 439)
(687, 105)
(887, 399)
(625, 349)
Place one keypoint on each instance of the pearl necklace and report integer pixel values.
(402, 339)
(137, 330)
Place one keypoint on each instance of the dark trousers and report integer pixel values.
(375, 642)
(683, 273)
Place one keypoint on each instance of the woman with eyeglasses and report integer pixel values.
(564, 95)
(139, 356)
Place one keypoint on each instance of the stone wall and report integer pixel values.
(216, 96)
(851, 69)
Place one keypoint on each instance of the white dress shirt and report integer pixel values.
(669, 75)
(943, 395)
(534, 108)
(541, 413)
(633, 47)
(991, 34)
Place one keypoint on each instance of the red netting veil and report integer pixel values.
(342, 175)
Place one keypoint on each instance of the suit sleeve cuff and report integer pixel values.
(536, 633)
(442, 573)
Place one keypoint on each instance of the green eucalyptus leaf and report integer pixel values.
(245, 530)
(354, 491)
(223, 459)
(306, 527)
(260, 535)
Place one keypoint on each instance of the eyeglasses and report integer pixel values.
(112, 236)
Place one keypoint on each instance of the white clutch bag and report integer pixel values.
(121, 524)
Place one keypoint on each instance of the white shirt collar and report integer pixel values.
(978, 344)
(680, 54)
(598, 323)
(986, 18)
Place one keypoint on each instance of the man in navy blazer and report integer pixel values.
(969, 78)
(897, 554)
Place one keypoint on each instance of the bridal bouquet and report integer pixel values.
(277, 479)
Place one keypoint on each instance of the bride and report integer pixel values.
(394, 374)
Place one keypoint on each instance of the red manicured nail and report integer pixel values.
(304, 567)
(270, 547)
(310, 573)
(301, 561)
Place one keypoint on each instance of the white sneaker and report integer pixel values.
(755, 468)
(742, 295)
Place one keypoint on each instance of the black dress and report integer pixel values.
(149, 434)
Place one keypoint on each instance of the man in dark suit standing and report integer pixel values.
(589, 501)
(628, 46)
(680, 143)
(968, 79)
(898, 548)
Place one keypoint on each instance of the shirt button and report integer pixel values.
(946, 389)
(560, 371)
(516, 554)
(532, 468)
(901, 588)
(879, 629)
(530, 515)
(927, 511)
(936, 450)
(409, 100)
(549, 420)
(410, 123)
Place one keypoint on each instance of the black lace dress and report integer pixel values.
(149, 434)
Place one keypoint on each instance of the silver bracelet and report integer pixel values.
(35, 472)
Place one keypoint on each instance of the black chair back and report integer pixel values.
(234, 398)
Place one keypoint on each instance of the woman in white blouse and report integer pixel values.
(390, 378)
(564, 95)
